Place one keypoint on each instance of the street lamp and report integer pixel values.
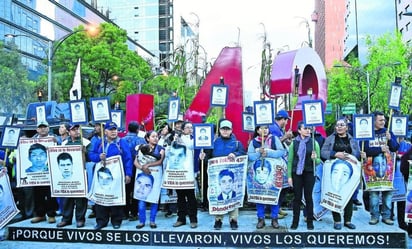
(50, 53)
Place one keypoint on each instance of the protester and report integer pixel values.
(158, 153)
(304, 154)
(384, 142)
(165, 139)
(69, 203)
(134, 141)
(43, 202)
(278, 130)
(113, 146)
(339, 145)
(94, 138)
(264, 145)
(226, 145)
(63, 133)
(186, 198)
(405, 167)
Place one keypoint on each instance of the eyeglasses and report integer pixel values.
(306, 128)
(340, 125)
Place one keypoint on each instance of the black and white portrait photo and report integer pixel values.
(173, 111)
(399, 125)
(263, 112)
(100, 109)
(395, 97)
(203, 136)
(313, 114)
(78, 112)
(219, 95)
(248, 122)
(363, 128)
(10, 137)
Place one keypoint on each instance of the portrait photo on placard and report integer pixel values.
(248, 122)
(395, 97)
(399, 125)
(173, 111)
(263, 112)
(219, 95)
(100, 109)
(117, 117)
(41, 113)
(313, 114)
(363, 127)
(78, 113)
(203, 136)
(10, 137)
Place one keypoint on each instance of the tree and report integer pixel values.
(17, 91)
(387, 58)
(108, 66)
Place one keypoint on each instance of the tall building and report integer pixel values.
(342, 26)
(35, 24)
(329, 18)
(148, 22)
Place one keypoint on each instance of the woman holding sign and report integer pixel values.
(264, 145)
(340, 145)
(302, 152)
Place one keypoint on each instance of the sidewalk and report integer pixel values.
(204, 236)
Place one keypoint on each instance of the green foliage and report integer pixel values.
(108, 67)
(388, 58)
(17, 91)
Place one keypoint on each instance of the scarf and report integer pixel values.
(301, 154)
(257, 142)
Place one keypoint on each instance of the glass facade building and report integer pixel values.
(148, 22)
(35, 23)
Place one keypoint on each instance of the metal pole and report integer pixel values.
(49, 64)
(368, 89)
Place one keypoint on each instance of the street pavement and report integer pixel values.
(247, 236)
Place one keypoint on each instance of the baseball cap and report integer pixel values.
(226, 123)
(42, 123)
(282, 114)
(71, 126)
(110, 125)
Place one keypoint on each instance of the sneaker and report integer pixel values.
(218, 225)
(374, 221)
(387, 221)
(193, 224)
(233, 225)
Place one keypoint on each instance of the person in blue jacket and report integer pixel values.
(113, 146)
(225, 145)
(384, 142)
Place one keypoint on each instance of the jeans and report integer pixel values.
(274, 210)
(142, 211)
(386, 204)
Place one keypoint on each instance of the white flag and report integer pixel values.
(76, 90)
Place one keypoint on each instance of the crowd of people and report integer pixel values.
(173, 143)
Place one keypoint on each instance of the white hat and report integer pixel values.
(226, 123)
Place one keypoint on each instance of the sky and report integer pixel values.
(227, 23)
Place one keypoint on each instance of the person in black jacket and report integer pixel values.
(405, 165)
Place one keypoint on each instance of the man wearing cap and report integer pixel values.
(70, 202)
(113, 146)
(43, 202)
(133, 140)
(225, 145)
(278, 130)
